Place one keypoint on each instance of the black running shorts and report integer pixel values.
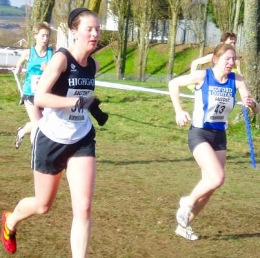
(49, 157)
(216, 138)
(29, 99)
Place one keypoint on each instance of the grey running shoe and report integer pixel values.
(183, 213)
(186, 233)
(18, 139)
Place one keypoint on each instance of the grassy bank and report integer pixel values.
(156, 64)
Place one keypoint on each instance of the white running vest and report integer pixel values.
(69, 125)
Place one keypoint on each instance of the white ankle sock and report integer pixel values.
(21, 133)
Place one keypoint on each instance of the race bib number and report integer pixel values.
(77, 115)
(220, 104)
(34, 82)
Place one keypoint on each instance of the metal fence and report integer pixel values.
(9, 57)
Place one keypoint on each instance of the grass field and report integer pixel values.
(143, 167)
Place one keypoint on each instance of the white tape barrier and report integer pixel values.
(136, 88)
(11, 69)
(118, 86)
(18, 83)
(142, 89)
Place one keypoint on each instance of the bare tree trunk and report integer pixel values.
(174, 8)
(231, 16)
(122, 71)
(41, 11)
(94, 5)
(203, 28)
(224, 13)
(252, 47)
(118, 44)
(236, 19)
(119, 38)
(251, 43)
(143, 14)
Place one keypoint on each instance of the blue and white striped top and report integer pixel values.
(213, 102)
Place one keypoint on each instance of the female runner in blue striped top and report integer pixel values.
(215, 94)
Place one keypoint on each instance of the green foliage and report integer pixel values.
(213, 10)
(241, 14)
(105, 38)
(11, 11)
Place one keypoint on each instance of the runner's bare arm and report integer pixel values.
(202, 60)
(43, 96)
(24, 57)
(246, 96)
(197, 77)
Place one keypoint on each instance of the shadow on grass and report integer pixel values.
(231, 236)
(7, 133)
(120, 163)
(141, 122)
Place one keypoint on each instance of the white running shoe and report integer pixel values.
(183, 213)
(18, 139)
(186, 233)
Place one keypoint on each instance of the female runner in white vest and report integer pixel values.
(65, 138)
